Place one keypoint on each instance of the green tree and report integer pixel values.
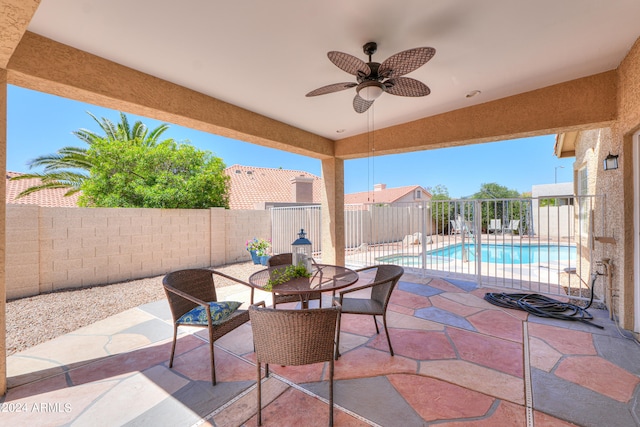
(495, 191)
(501, 203)
(129, 166)
(159, 175)
(440, 211)
(69, 166)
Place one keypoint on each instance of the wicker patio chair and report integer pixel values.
(293, 338)
(190, 294)
(387, 276)
(287, 259)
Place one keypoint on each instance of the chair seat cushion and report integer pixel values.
(361, 306)
(220, 311)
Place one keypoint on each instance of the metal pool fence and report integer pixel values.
(542, 245)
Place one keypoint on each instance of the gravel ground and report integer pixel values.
(34, 320)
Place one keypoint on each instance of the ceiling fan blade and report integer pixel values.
(360, 104)
(336, 87)
(405, 62)
(406, 86)
(349, 63)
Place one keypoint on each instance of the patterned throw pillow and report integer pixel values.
(220, 311)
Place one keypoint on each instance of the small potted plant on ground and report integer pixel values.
(259, 250)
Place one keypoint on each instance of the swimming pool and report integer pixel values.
(491, 253)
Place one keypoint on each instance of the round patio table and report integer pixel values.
(324, 278)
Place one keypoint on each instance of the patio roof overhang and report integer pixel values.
(42, 64)
(39, 63)
(45, 65)
(565, 144)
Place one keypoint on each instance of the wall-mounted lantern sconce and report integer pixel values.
(611, 162)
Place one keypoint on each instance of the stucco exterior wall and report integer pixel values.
(628, 122)
(617, 185)
(333, 230)
(578, 104)
(591, 148)
(57, 248)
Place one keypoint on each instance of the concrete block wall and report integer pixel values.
(245, 225)
(91, 246)
(22, 251)
(57, 248)
(217, 231)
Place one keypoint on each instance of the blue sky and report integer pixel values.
(40, 124)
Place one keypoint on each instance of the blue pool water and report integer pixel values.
(493, 253)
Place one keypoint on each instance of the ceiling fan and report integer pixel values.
(374, 78)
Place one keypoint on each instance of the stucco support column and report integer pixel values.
(3, 212)
(333, 211)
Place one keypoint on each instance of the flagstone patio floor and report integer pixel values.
(459, 361)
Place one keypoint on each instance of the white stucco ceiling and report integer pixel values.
(266, 55)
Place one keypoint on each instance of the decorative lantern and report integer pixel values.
(301, 251)
(611, 162)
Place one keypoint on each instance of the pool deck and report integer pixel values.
(459, 361)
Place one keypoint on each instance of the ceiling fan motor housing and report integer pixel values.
(373, 75)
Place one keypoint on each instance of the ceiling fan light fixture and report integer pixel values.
(370, 90)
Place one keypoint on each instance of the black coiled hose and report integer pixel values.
(543, 306)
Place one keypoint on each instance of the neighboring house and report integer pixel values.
(389, 196)
(261, 188)
(54, 197)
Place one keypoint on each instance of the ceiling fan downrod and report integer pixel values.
(369, 49)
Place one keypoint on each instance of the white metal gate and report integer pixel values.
(287, 222)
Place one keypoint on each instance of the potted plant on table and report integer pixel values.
(281, 275)
(259, 250)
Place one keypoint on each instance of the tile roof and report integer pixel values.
(49, 198)
(250, 186)
(387, 195)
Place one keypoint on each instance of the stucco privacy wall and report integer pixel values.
(57, 248)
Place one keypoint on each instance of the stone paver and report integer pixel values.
(436, 400)
(599, 375)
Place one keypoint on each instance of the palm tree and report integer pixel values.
(70, 166)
